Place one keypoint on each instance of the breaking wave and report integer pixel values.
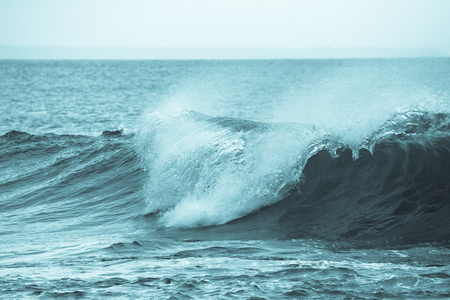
(298, 178)
(264, 180)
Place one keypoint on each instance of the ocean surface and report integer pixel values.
(270, 179)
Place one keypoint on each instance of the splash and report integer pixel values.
(207, 171)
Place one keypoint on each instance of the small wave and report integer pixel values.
(15, 135)
(113, 133)
(69, 177)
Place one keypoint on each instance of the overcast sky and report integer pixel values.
(406, 24)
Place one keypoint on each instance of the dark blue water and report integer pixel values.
(225, 179)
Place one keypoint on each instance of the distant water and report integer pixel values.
(271, 179)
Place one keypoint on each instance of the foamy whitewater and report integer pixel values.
(272, 179)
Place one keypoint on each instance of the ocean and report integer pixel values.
(225, 179)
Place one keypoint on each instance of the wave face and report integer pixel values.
(303, 181)
(399, 194)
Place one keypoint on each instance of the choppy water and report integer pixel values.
(225, 179)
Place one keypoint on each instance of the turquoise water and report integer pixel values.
(225, 179)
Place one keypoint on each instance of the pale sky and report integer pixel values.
(405, 24)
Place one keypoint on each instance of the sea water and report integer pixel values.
(248, 179)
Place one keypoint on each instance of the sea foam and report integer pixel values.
(207, 171)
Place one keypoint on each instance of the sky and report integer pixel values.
(278, 24)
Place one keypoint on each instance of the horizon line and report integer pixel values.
(208, 53)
